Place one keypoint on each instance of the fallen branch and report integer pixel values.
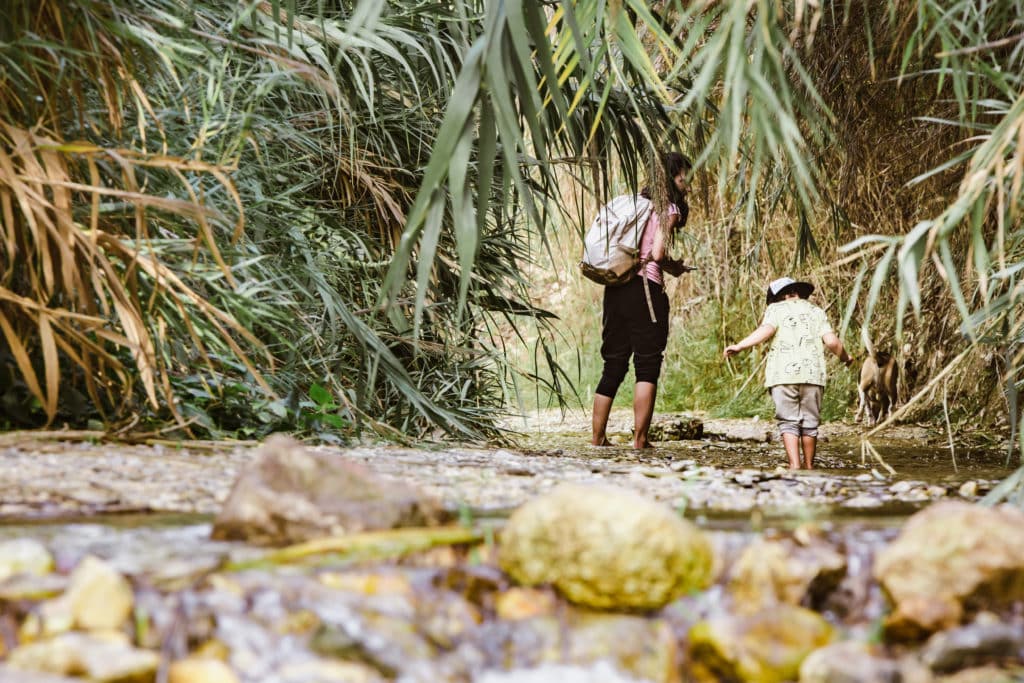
(14, 439)
(391, 543)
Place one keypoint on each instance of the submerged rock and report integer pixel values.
(948, 558)
(766, 647)
(293, 494)
(786, 571)
(605, 547)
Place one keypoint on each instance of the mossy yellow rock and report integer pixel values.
(765, 647)
(605, 547)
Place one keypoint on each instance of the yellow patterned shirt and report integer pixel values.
(797, 354)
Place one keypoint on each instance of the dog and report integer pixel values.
(877, 387)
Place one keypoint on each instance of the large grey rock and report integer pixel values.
(605, 547)
(950, 558)
(292, 494)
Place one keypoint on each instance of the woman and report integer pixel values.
(635, 325)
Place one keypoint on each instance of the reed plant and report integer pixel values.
(211, 209)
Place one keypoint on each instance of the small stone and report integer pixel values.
(327, 672)
(985, 641)
(863, 501)
(848, 662)
(103, 658)
(524, 603)
(99, 596)
(24, 556)
(902, 487)
(33, 587)
(968, 489)
(201, 670)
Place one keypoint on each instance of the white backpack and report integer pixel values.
(611, 247)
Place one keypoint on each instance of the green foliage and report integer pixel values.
(209, 209)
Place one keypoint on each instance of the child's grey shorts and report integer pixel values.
(797, 408)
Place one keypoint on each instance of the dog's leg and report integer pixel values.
(860, 404)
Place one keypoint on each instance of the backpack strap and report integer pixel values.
(647, 289)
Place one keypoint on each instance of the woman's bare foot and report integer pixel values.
(603, 441)
(642, 445)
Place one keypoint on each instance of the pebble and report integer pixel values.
(968, 489)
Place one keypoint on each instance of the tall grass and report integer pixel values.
(293, 215)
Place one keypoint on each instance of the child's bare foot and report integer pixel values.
(642, 445)
(603, 441)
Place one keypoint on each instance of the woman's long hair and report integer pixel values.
(672, 164)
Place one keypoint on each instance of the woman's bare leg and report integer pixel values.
(599, 420)
(643, 411)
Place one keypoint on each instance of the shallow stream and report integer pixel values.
(148, 513)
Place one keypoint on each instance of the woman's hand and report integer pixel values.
(674, 267)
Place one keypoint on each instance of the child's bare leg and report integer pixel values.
(599, 420)
(792, 444)
(643, 410)
(809, 444)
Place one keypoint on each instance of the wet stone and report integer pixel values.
(767, 646)
(948, 557)
(969, 489)
(601, 672)
(986, 640)
(676, 429)
(849, 662)
(201, 670)
(863, 501)
(102, 658)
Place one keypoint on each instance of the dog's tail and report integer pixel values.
(866, 341)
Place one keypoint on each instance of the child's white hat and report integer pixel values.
(780, 287)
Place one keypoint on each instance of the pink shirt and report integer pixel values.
(651, 270)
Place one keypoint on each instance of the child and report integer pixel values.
(795, 371)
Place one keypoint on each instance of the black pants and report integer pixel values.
(627, 330)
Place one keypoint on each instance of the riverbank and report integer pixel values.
(734, 468)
